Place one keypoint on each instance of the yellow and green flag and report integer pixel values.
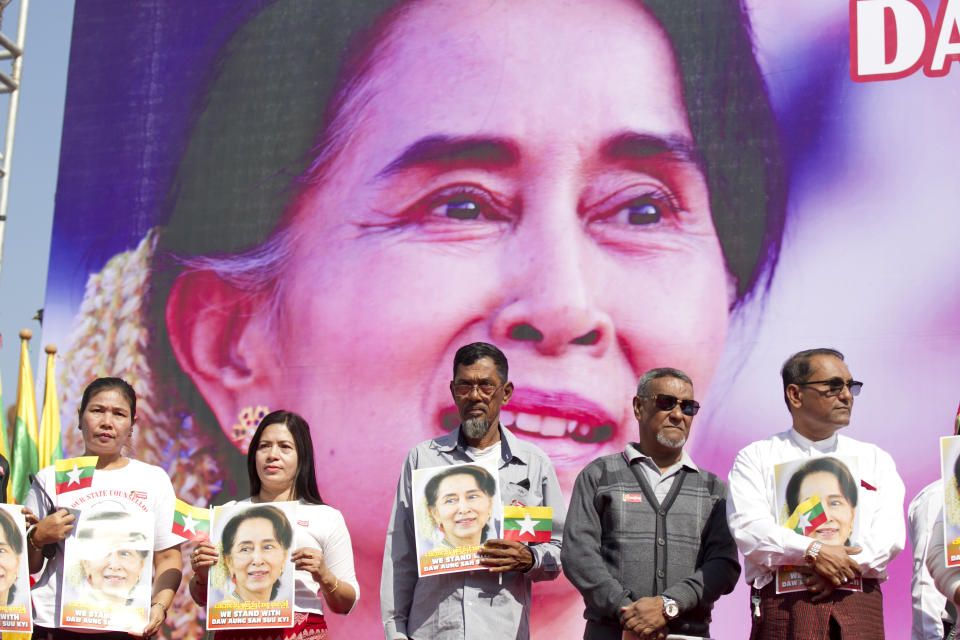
(4, 439)
(807, 516)
(74, 473)
(191, 522)
(26, 459)
(527, 524)
(51, 449)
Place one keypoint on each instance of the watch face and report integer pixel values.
(671, 609)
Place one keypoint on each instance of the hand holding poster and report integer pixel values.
(456, 509)
(252, 584)
(15, 609)
(108, 569)
(817, 498)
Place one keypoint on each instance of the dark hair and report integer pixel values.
(281, 528)
(662, 372)
(15, 539)
(848, 485)
(485, 481)
(305, 483)
(327, 47)
(956, 472)
(470, 353)
(103, 384)
(797, 369)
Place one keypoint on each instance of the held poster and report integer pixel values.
(817, 498)
(456, 509)
(15, 610)
(251, 586)
(950, 470)
(108, 570)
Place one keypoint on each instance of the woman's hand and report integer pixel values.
(157, 615)
(203, 557)
(310, 559)
(29, 517)
(54, 528)
(340, 596)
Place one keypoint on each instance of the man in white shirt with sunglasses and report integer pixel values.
(819, 392)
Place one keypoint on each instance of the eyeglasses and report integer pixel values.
(836, 385)
(666, 402)
(486, 390)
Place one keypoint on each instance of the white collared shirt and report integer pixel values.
(660, 481)
(752, 505)
(928, 603)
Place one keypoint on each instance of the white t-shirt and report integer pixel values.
(491, 453)
(137, 487)
(322, 527)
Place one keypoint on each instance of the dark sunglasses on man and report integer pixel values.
(835, 385)
(666, 402)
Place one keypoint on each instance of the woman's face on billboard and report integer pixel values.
(521, 173)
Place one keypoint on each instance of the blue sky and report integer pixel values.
(33, 178)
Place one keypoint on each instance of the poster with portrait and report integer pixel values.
(108, 569)
(456, 508)
(950, 472)
(817, 498)
(16, 613)
(252, 584)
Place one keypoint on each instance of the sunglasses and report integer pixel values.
(835, 385)
(666, 402)
(486, 390)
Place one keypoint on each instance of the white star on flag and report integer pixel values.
(74, 476)
(527, 525)
(804, 522)
(189, 524)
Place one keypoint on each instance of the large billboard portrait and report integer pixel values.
(311, 205)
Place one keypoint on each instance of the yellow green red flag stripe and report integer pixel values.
(50, 448)
(25, 460)
(74, 473)
(807, 516)
(527, 524)
(191, 522)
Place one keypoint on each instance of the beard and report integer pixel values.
(672, 444)
(475, 428)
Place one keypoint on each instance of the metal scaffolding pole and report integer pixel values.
(10, 84)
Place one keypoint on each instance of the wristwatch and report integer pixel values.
(670, 608)
(810, 557)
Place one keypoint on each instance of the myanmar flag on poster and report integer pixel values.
(807, 516)
(191, 522)
(74, 473)
(527, 524)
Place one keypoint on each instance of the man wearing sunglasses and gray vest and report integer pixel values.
(845, 527)
(646, 539)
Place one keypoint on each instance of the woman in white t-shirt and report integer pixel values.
(280, 468)
(107, 414)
